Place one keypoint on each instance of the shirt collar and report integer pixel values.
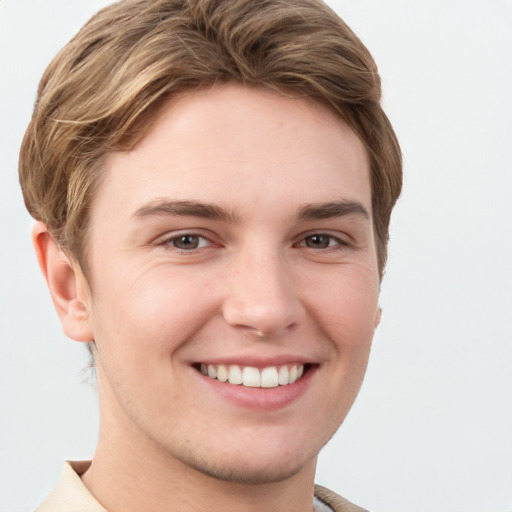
(70, 493)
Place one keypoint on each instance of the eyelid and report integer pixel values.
(201, 242)
(166, 239)
(342, 241)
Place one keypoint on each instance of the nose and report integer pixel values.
(260, 296)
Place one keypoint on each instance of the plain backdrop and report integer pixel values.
(432, 427)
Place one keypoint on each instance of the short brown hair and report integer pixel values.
(98, 93)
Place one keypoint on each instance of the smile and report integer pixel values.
(249, 376)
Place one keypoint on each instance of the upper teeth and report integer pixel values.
(269, 377)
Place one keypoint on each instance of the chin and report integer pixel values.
(246, 470)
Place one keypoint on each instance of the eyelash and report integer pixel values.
(334, 243)
(177, 238)
(339, 244)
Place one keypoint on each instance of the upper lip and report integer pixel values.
(257, 362)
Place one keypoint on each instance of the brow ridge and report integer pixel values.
(190, 208)
(332, 209)
(186, 209)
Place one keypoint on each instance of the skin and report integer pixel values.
(257, 282)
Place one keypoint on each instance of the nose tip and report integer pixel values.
(259, 320)
(261, 300)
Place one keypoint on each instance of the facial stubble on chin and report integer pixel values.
(241, 474)
(244, 476)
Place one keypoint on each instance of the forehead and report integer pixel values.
(252, 142)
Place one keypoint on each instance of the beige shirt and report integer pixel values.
(71, 495)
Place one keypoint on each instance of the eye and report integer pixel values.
(187, 242)
(321, 241)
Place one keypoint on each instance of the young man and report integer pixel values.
(212, 183)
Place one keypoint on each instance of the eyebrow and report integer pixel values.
(313, 211)
(333, 209)
(185, 209)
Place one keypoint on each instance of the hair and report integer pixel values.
(100, 92)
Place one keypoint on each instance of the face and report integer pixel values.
(234, 283)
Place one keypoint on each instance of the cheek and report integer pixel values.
(140, 321)
(346, 307)
(157, 310)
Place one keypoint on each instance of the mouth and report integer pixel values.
(252, 377)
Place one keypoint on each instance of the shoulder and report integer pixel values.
(336, 502)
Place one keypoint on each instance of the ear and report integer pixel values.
(378, 317)
(67, 285)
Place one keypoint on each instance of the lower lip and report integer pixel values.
(263, 399)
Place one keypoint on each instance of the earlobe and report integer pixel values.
(66, 284)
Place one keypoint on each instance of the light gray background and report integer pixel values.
(432, 428)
